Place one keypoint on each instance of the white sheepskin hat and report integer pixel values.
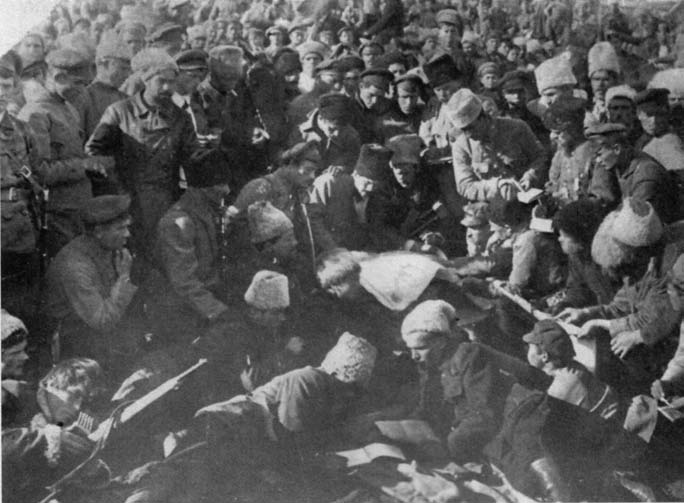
(351, 360)
(268, 290)
(429, 317)
(602, 56)
(554, 72)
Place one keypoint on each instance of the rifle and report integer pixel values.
(41, 195)
(120, 416)
(585, 349)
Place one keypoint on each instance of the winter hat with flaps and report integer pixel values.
(351, 360)
(634, 224)
(429, 318)
(373, 162)
(268, 290)
(266, 222)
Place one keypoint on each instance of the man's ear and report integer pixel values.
(544, 357)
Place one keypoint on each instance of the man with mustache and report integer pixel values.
(149, 138)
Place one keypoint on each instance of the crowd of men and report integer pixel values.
(467, 212)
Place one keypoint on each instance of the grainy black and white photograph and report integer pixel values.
(342, 251)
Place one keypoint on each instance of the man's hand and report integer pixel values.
(590, 325)
(661, 389)
(495, 287)
(123, 260)
(572, 315)
(623, 342)
(508, 189)
(97, 168)
(526, 180)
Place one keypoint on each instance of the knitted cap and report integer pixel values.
(351, 360)
(554, 72)
(268, 290)
(13, 329)
(267, 222)
(637, 223)
(428, 318)
(602, 56)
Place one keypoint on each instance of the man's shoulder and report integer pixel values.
(646, 163)
(78, 251)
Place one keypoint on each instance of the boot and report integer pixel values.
(553, 486)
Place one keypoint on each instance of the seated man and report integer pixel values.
(494, 157)
(638, 327)
(189, 293)
(89, 285)
(285, 421)
(404, 212)
(538, 265)
(576, 224)
(550, 349)
(14, 399)
(36, 456)
(461, 394)
(346, 198)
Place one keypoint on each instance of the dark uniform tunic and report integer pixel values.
(62, 163)
(149, 144)
(89, 301)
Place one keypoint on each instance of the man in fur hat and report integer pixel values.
(604, 71)
(286, 188)
(461, 393)
(637, 327)
(147, 171)
(554, 79)
(282, 423)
